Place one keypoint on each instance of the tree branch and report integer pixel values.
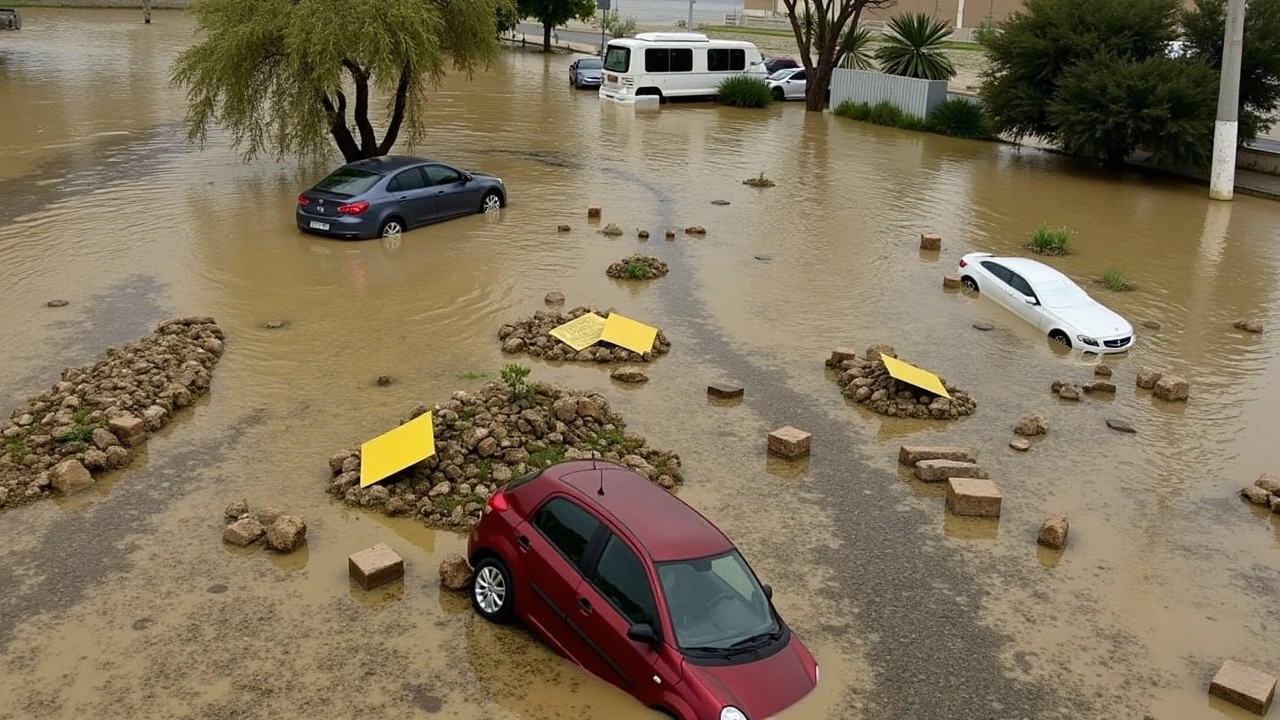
(368, 140)
(397, 112)
(338, 127)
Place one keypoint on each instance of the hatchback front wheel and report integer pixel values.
(491, 203)
(491, 593)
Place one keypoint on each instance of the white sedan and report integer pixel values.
(1048, 300)
(787, 84)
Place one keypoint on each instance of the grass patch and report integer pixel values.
(734, 30)
(484, 467)
(1049, 240)
(80, 416)
(80, 433)
(1116, 280)
(637, 271)
(16, 447)
(960, 119)
(541, 456)
(613, 440)
(473, 375)
(744, 91)
(882, 113)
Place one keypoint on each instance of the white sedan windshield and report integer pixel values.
(1062, 294)
(715, 603)
(782, 74)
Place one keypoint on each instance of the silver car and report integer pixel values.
(585, 72)
(787, 84)
(384, 196)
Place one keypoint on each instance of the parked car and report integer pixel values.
(629, 582)
(787, 84)
(1048, 300)
(384, 196)
(585, 72)
(773, 65)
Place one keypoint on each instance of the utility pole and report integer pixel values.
(960, 14)
(1226, 130)
(689, 23)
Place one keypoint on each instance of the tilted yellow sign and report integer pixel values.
(580, 333)
(395, 450)
(913, 375)
(630, 334)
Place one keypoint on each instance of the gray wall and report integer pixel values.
(918, 97)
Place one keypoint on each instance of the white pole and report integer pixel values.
(689, 23)
(1226, 130)
(960, 15)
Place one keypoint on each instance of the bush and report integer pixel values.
(618, 26)
(1049, 240)
(1203, 26)
(1116, 280)
(913, 48)
(744, 91)
(516, 377)
(961, 119)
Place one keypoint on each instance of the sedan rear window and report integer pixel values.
(348, 181)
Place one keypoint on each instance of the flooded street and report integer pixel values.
(124, 603)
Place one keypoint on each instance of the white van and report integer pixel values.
(669, 65)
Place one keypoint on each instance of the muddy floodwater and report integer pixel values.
(124, 603)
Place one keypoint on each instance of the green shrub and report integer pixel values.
(1115, 279)
(637, 271)
(517, 379)
(959, 118)
(744, 91)
(882, 113)
(1049, 240)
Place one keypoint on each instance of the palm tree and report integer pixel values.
(913, 48)
(854, 51)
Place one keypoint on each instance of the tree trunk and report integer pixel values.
(339, 130)
(546, 37)
(397, 111)
(817, 87)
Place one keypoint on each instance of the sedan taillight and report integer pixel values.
(963, 263)
(354, 208)
(302, 200)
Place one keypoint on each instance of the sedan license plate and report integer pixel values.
(319, 225)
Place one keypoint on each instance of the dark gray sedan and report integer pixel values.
(384, 196)
(585, 72)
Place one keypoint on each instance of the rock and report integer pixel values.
(455, 573)
(629, 375)
(1053, 532)
(1102, 370)
(789, 442)
(69, 476)
(1253, 326)
(95, 459)
(384, 380)
(1172, 388)
(513, 345)
(236, 510)
(273, 324)
(642, 234)
(984, 326)
(1031, 426)
(154, 417)
(4, 495)
(1274, 503)
(268, 515)
(441, 488)
(951, 282)
(286, 533)
(1151, 324)
(695, 230)
(611, 230)
(377, 495)
(942, 470)
(1020, 444)
(973, 497)
(1069, 391)
(1147, 378)
(564, 228)
(841, 355)
(671, 234)
(1256, 495)
(129, 429)
(243, 532)
(930, 241)
(1270, 483)
(488, 447)
(337, 460)
(1242, 685)
(375, 566)
(117, 457)
(565, 409)
(651, 266)
(593, 211)
(57, 303)
(725, 391)
(1100, 387)
(909, 455)
(555, 297)
(874, 352)
(1121, 425)
(720, 202)
(103, 438)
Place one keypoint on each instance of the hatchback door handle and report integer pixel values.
(404, 197)
(439, 192)
(524, 541)
(585, 604)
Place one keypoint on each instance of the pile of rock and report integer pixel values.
(637, 267)
(759, 182)
(532, 335)
(867, 381)
(1163, 385)
(483, 440)
(1264, 491)
(95, 417)
(611, 230)
(279, 531)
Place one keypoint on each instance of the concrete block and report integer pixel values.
(943, 470)
(789, 442)
(1172, 388)
(243, 532)
(951, 282)
(593, 211)
(1053, 532)
(911, 454)
(841, 354)
(69, 476)
(1241, 685)
(930, 241)
(725, 391)
(375, 566)
(973, 497)
(128, 429)
(1147, 378)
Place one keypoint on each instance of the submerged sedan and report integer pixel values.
(1048, 300)
(384, 196)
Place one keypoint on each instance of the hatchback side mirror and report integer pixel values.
(467, 177)
(642, 633)
(768, 590)
(1029, 300)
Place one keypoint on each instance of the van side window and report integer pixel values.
(661, 60)
(682, 60)
(726, 59)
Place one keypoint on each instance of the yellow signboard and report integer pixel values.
(913, 375)
(625, 332)
(580, 333)
(397, 449)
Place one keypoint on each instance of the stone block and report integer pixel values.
(930, 241)
(1053, 532)
(911, 454)
(725, 391)
(841, 354)
(375, 566)
(1172, 388)
(951, 282)
(455, 572)
(69, 476)
(671, 234)
(1020, 444)
(128, 429)
(593, 211)
(1100, 387)
(789, 442)
(1102, 370)
(1241, 685)
(245, 531)
(973, 497)
(286, 533)
(943, 470)
(1147, 378)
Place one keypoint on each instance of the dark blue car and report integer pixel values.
(384, 196)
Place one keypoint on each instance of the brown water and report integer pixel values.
(124, 604)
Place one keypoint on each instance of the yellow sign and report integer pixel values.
(625, 332)
(913, 375)
(397, 449)
(580, 333)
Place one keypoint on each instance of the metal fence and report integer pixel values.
(917, 97)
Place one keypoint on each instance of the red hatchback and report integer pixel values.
(628, 581)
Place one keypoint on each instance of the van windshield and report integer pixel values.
(618, 59)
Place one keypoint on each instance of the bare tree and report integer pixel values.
(826, 31)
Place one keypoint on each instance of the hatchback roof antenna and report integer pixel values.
(600, 491)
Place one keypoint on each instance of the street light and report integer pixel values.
(1226, 130)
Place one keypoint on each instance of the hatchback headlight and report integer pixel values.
(732, 713)
(1087, 340)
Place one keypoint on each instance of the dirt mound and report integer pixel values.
(531, 335)
(866, 380)
(637, 267)
(486, 439)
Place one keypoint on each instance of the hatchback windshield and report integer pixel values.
(590, 64)
(781, 74)
(618, 59)
(348, 181)
(1061, 294)
(716, 604)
